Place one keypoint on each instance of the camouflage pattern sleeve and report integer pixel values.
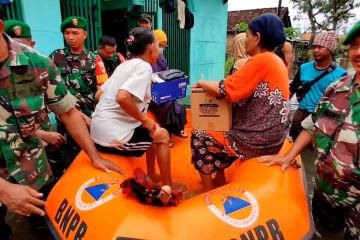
(78, 75)
(58, 98)
(336, 141)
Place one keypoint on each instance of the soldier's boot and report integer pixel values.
(352, 223)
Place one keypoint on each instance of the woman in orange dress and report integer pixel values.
(259, 92)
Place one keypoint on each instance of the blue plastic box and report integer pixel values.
(170, 90)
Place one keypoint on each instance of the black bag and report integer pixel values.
(189, 19)
(169, 5)
(306, 86)
(171, 74)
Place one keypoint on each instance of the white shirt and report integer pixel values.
(181, 13)
(111, 125)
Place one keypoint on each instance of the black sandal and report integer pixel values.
(183, 134)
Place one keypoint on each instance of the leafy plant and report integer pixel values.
(241, 27)
(229, 62)
(292, 32)
(325, 14)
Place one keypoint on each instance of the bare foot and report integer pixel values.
(155, 177)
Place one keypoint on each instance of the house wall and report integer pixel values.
(207, 44)
(208, 40)
(45, 27)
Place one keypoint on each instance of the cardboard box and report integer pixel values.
(210, 113)
(162, 92)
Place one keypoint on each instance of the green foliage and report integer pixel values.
(341, 41)
(292, 32)
(342, 51)
(309, 54)
(229, 62)
(325, 14)
(241, 27)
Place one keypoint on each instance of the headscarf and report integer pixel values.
(327, 39)
(271, 30)
(160, 35)
(240, 57)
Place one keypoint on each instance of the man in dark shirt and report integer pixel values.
(107, 52)
(145, 21)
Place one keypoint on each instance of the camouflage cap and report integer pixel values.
(17, 29)
(73, 22)
(354, 31)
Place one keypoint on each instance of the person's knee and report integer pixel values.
(162, 136)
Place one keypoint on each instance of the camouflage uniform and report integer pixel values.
(78, 73)
(335, 126)
(28, 81)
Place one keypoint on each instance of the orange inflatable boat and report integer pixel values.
(258, 203)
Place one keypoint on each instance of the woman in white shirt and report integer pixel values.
(119, 124)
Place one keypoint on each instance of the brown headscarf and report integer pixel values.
(240, 57)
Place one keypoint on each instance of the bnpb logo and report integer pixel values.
(97, 191)
(234, 206)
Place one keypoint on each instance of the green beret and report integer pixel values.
(354, 31)
(17, 29)
(73, 22)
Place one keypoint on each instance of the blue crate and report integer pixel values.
(170, 90)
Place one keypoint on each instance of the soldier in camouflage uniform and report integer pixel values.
(76, 64)
(21, 32)
(28, 81)
(77, 67)
(334, 130)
